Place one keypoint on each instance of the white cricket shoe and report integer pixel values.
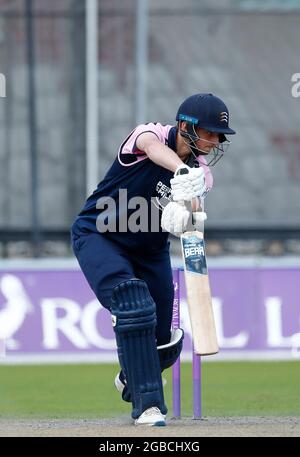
(151, 417)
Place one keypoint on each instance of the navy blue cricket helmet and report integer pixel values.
(206, 111)
(210, 113)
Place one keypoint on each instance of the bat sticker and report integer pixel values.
(194, 254)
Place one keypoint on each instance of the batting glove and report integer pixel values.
(174, 218)
(185, 187)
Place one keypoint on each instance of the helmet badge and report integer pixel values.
(224, 116)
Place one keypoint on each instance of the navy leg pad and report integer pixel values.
(167, 354)
(135, 322)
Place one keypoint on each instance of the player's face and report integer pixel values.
(205, 143)
(207, 140)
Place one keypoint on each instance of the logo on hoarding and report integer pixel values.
(14, 310)
(2, 348)
(59, 322)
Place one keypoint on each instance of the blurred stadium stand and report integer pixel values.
(244, 51)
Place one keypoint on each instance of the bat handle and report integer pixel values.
(188, 204)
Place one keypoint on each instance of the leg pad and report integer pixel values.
(135, 323)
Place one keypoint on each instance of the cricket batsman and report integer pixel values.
(124, 253)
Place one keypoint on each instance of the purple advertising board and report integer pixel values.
(53, 313)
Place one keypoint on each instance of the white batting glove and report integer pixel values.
(188, 186)
(174, 218)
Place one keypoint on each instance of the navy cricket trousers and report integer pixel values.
(105, 264)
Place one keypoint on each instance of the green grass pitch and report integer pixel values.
(87, 391)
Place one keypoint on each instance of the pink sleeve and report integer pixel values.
(129, 154)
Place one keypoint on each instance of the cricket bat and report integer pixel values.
(198, 293)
